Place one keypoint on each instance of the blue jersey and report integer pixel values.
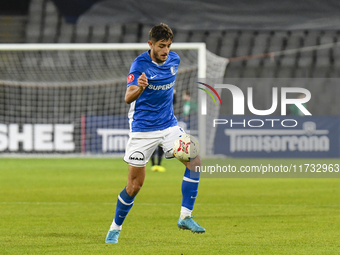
(153, 110)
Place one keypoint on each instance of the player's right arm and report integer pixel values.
(134, 91)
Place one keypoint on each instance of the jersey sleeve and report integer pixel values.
(134, 74)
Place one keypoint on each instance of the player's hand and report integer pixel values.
(143, 81)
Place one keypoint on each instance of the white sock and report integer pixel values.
(185, 212)
(114, 226)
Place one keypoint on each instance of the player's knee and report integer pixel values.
(197, 161)
(194, 163)
(136, 186)
(133, 187)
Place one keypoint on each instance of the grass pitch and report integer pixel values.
(65, 206)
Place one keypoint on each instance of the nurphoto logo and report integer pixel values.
(238, 107)
(239, 98)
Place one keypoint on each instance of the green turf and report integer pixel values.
(65, 206)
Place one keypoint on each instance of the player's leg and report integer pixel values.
(127, 195)
(137, 155)
(156, 167)
(135, 180)
(160, 153)
(153, 158)
(189, 193)
(125, 201)
(190, 183)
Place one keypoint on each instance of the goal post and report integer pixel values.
(69, 98)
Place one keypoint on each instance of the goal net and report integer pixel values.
(69, 98)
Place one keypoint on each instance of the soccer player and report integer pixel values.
(150, 88)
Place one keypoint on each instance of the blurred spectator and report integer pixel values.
(189, 107)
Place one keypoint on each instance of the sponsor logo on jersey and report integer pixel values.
(130, 78)
(137, 155)
(162, 87)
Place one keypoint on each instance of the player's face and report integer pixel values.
(160, 50)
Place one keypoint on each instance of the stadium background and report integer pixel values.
(55, 205)
(229, 33)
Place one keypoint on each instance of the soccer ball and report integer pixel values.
(186, 147)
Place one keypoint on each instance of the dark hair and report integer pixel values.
(160, 32)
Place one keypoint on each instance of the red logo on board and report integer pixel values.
(130, 78)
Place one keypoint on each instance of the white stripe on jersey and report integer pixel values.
(130, 114)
